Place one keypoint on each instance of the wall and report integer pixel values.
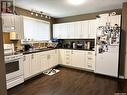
(85, 16)
(123, 52)
(2, 65)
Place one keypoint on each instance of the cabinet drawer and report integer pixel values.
(67, 55)
(67, 58)
(68, 51)
(89, 66)
(90, 59)
(67, 62)
(90, 53)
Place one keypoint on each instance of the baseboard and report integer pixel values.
(77, 68)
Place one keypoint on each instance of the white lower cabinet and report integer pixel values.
(61, 57)
(90, 60)
(27, 66)
(78, 58)
(44, 61)
(32, 65)
(37, 62)
(68, 58)
(52, 58)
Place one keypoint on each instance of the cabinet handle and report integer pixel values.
(89, 58)
(24, 58)
(2, 21)
(16, 36)
(55, 51)
(32, 56)
(48, 56)
(89, 66)
(90, 53)
(72, 52)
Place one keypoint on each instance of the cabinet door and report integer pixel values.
(35, 63)
(92, 29)
(44, 61)
(84, 29)
(8, 23)
(56, 57)
(19, 27)
(78, 59)
(52, 58)
(71, 30)
(68, 57)
(19, 31)
(77, 30)
(90, 60)
(61, 56)
(27, 66)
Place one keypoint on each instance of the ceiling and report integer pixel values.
(61, 8)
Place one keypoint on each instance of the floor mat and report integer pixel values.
(51, 72)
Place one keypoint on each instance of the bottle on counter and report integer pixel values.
(74, 45)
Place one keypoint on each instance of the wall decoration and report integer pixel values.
(7, 6)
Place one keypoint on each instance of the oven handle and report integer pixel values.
(12, 60)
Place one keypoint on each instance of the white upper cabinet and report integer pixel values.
(8, 23)
(64, 30)
(84, 29)
(14, 25)
(92, 29)
(19, 31)
(73, 30)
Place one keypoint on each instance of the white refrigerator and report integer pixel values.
(107, 45)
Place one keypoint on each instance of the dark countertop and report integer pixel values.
(47, 49)
(38, 50)
(77, 49)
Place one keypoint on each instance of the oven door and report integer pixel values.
(14, 68)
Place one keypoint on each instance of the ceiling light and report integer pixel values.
(36, 14)
(49, 17)
(46, 16)
(41, 14)
(76, 2)
(32, 12)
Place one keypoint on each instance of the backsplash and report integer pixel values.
(88, 44)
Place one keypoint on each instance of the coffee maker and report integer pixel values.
(27, 47)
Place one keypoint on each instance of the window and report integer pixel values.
(37, 30)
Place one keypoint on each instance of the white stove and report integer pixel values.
(12, 57)
(14, 67)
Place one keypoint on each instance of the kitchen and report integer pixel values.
(68, 49)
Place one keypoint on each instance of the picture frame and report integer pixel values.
(7, 6)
